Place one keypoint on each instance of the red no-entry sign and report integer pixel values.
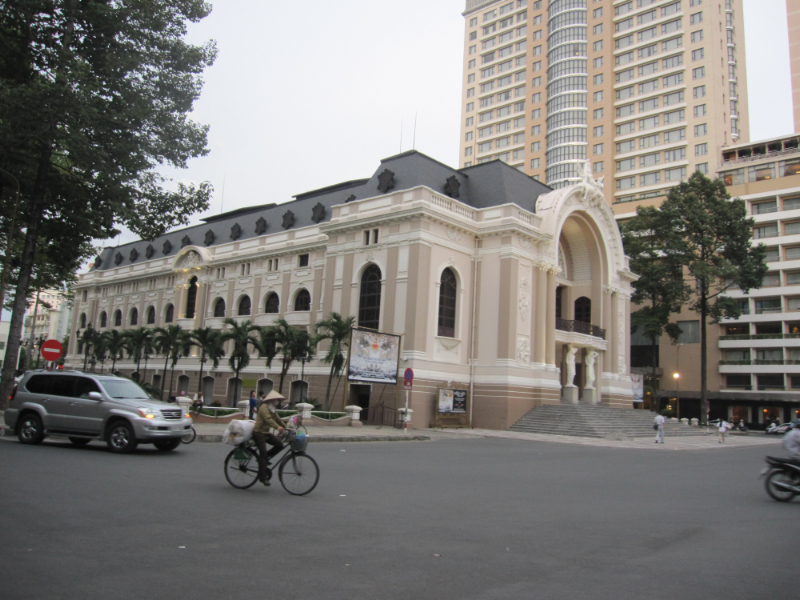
(51, 350)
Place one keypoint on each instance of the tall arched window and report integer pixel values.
(191, 298)
(83, 320)
(169, 315)
(273, 304)
(103, 319)
(118, 319)
(134, 317)
(583, 310)
(244, 306)
(219, 308)
(369, 304)
(303, 300)
(447, 304)
(559, 293)
(151, 315)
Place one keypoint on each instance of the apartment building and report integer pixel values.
(753, 361)
(647, 90)
(49, 317)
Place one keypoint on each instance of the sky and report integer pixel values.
(308, 94)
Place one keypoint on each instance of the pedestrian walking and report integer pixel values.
(659, 426)
(252, 405)
(723, 429)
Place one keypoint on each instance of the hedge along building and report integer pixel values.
(497, 284)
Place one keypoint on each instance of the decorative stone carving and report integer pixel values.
(288, 219)
(523, 350)
(385, 181)
(318, 213)
(133, 255)
(592, 188)
(190, 259)
(524, 298)
(149, 251)
(261, 226)
(454, 235)
(449, 346)
(167, 248)
(451, 186)
(571, 352)
(591, 356)
(350, 198)
(117, 258)
(209, 238)
(621, 337)
(525, 243)
(369, 257)
(186, 241)
(236, 231)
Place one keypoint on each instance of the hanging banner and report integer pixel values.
(374, 357)
(638, 387)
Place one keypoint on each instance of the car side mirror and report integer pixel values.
(95, 396)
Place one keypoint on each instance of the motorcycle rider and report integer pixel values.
(791, 442)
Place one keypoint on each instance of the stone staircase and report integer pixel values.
(599, 421)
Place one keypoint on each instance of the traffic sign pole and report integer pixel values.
(408, 381)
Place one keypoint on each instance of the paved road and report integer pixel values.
(461, 518)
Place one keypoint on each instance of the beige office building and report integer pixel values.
(498, 285)
(647, 90)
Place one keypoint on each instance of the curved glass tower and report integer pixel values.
(567, 74)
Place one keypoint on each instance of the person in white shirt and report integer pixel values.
(723, 429)
(659, 422)
(791, 442)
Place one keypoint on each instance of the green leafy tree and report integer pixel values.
(99, 351)
(212, 347)
(116, 343)
(291, 343)
(718, 253)
(94, 97)
(655, 250)
(241, 334)
(88, 338)
(336, 330)
(139, 344)
(172, 342)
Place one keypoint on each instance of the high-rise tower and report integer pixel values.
(647, 90)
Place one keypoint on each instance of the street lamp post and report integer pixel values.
(677, 377)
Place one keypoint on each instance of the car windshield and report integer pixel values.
(124, 389)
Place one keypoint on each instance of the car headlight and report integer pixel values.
(149, 413)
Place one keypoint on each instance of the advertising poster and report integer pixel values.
(638, 387)
(452, 401)
(374, 357)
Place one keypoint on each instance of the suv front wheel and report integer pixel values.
(121, 438)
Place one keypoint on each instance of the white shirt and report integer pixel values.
(660, 420)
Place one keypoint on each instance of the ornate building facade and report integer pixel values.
(497, 284)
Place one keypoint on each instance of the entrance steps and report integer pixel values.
(600, 421)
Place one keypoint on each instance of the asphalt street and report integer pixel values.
(463, 518)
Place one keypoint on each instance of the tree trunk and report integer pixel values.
(172, 376)
(703, 357)
(655, 404)
(164, 376)
(202, 362)
(144, 375)
(33, 328)
(328, 391)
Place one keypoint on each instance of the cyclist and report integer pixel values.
(267, 420)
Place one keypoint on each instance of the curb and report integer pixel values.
(207, 438)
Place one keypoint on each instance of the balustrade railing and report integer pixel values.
(580, 327)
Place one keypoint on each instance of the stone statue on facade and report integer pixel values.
(591, 357)
(571, 352)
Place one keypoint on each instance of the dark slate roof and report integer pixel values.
(488, 184)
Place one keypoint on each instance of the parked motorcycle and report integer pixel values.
(783, 478)
(774, 427)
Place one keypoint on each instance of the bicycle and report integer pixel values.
(297, 471)
(295, 423)
(189, 436)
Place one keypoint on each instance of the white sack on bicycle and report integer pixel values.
(238, 432)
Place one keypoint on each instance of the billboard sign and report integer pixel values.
(374, 357)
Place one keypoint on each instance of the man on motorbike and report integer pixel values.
(791, 442)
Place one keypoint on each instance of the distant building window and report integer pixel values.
(272, 305)
(690, 332)
(303, 301)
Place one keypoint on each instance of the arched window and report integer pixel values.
(169, 315)
(83, 320)
(191, 298)
(369, 304)
(134, 317)
(244, 306)
(219, 308)
(303, 300)
(559, 293)
(118, 319)
(103, 319)
(273, 304)
(151, 316)
(447, 304)
(583, 310)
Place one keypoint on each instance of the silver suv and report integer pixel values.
(86, 407)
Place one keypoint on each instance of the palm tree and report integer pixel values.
(88, 338)
(240, 333)
(293, 344)
(170, 341)
(115, 342)
(211, 347)
(336, 329)
(99, 351)
(139, 343)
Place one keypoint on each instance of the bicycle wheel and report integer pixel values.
(298, 473)
(189, 436)
(241, 468)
